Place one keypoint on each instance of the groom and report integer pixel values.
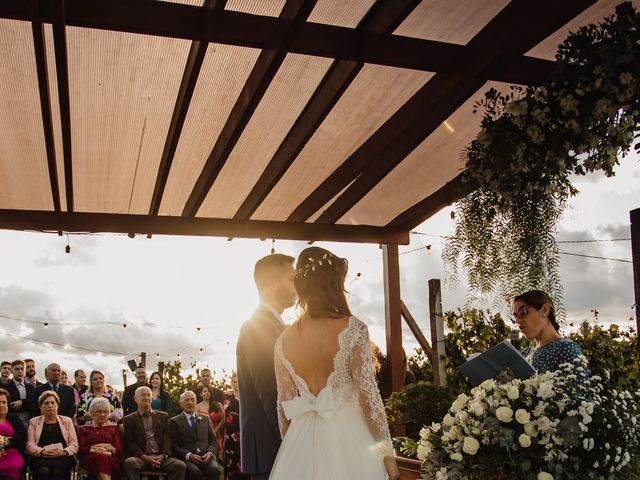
(259, 431)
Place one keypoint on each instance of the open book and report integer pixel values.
(483, 366)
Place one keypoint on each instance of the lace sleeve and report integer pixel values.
(367, 389)
(286, 387)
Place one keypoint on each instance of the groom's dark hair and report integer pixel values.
(267, 266)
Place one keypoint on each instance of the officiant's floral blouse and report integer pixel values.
(549, 357)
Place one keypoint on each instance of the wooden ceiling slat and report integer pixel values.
(45, 103)
(62, 71)
(513, 31)
(35, 220)
(211, 14)
(384, 17)
(265, 68)
(242, 29)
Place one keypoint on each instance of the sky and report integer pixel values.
(190, 295)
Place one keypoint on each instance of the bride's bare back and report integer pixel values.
(310, 345)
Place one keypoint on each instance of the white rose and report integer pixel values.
(530, 429)
(545, 476)
(425, 432)
(488, 385)
(456, 457)
(470, 445)
(513, 392)
(524, 440)
(477, 409)
(423, 450)
(504, 414)
(545, 390)
(522, 416)
(448, 420)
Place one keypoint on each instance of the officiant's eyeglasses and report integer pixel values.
(520, 314)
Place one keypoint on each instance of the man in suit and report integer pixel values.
(21, 392)
(259, 431)
(30, 372)
(5, 372)
(147, 440)
(205, 381)
(128, 402)
(67, 407)
(194, 441)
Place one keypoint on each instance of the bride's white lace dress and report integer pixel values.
(340, 434)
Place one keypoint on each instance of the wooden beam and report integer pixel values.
(40, 51)
(62, 73)
(426, 208)
(437, 333)
(211, 12)
(214, 227)
(415, 329)
(383, 18)
(635, 256)
(517, 28)
(184, 21)
(295, 12)
(393, 322)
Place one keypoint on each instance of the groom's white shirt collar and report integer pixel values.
(275, 313)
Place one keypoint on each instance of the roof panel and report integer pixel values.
(268, 8)
(375, 94)
(436, 161)
(340, 13)
(224, 72)
(123, 90)
(596, 13)
(447, 21)
(289, 92)
(24, 174)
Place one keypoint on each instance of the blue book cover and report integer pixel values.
(493, 362)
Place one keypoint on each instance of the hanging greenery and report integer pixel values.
(532, 140)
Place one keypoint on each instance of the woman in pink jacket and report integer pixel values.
(51, 441)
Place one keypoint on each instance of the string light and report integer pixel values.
(124, 325)
(45, 325)
(429, 252)
(67, 249)
(273, 246)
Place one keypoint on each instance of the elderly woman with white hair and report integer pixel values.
(100, 449)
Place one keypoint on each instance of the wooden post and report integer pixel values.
(393, 320)
(415, 329)
(437, 333)
(143, 359)
(124, 379)
(635, 258)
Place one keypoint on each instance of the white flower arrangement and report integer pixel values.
(560, 425)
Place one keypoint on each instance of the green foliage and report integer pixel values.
(175, 383)
(532, 140)
(613, 354)
(407, 406)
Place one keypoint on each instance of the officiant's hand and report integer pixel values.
(392, 468)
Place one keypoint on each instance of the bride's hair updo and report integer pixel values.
(319, 282)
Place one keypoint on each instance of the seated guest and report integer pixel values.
(128, 403)
(51, 441)
(21, 393)
(66, 397)
(100, 449)
(12, 439)
(80, 382)
(534, 314)
(5, 372)
(147, 440)
(97, 389)
(160, 398)
(214, 410)
(193, 439)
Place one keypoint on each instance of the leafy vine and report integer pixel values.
(532, 140)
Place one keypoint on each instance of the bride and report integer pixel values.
(330, 413)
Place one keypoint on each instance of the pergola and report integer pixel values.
(314, 120)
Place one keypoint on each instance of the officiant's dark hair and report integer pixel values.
(267, 266)
(536, 299)
(319, 282)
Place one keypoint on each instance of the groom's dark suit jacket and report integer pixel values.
(259, 431)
